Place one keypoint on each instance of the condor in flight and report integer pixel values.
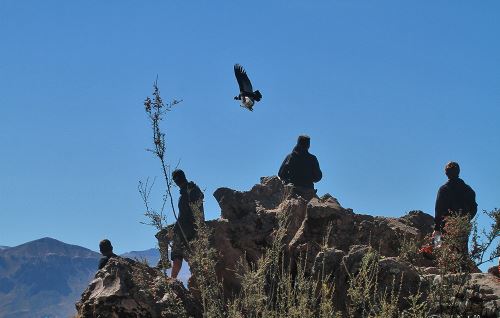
(247, 96)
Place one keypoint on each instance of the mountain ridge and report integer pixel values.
(48, 246)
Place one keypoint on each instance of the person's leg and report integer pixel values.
(176, 267)
(467, 264)
(176, 256)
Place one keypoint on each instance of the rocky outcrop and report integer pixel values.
(333, 240)
(126, 288)
(248, 220)
(482, 294)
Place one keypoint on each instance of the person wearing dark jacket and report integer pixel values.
(455, 197)
(107, 251)
(190, 202)
(300, 168)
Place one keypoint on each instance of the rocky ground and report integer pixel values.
(331, 238)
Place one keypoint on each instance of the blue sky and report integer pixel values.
(389, 91)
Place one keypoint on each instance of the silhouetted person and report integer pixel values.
(455, 197)
(300, 168)
(185, 227)
(107, 251)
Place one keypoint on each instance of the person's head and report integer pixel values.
(303, 142)
(179, 177)
(452, 170)
(105, 247)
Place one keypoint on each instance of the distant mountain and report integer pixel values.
(44, 278)
(152, 256)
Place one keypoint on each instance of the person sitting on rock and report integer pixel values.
(456, 198)
(184, 230)
(107, 251)
(301, 169)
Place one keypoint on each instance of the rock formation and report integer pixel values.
(127, 288)
(249, 219)
(332, 239)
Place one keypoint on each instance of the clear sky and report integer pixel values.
(389, 91)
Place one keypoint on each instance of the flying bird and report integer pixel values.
(247, 96)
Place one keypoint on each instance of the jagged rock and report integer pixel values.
(495, 271)
(327, 262)
(479, 295)
(487, 289)
(392, 275)
(264, 196)
(419, 220)
(126, 288)
(248, 219)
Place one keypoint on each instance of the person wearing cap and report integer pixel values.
(301, 168)
(456, 198)
(184, 230)
(107, 251)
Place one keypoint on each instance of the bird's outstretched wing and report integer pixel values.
(242, 78)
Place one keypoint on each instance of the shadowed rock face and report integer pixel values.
(246, 228)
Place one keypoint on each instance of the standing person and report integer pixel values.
(184, 230)
(455, 197)
(107, 251)
(301, 168)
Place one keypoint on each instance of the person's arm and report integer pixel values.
(283, 173)
(102, 262)
(441, 210)
(195, 194)
(196, 197)
(317, 174)
(472, 203)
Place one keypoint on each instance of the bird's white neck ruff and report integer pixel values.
(246, 102)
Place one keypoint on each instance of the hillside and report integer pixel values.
(42, 278)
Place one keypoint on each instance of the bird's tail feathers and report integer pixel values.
(257, 95)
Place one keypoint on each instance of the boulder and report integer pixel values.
(126, 288)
